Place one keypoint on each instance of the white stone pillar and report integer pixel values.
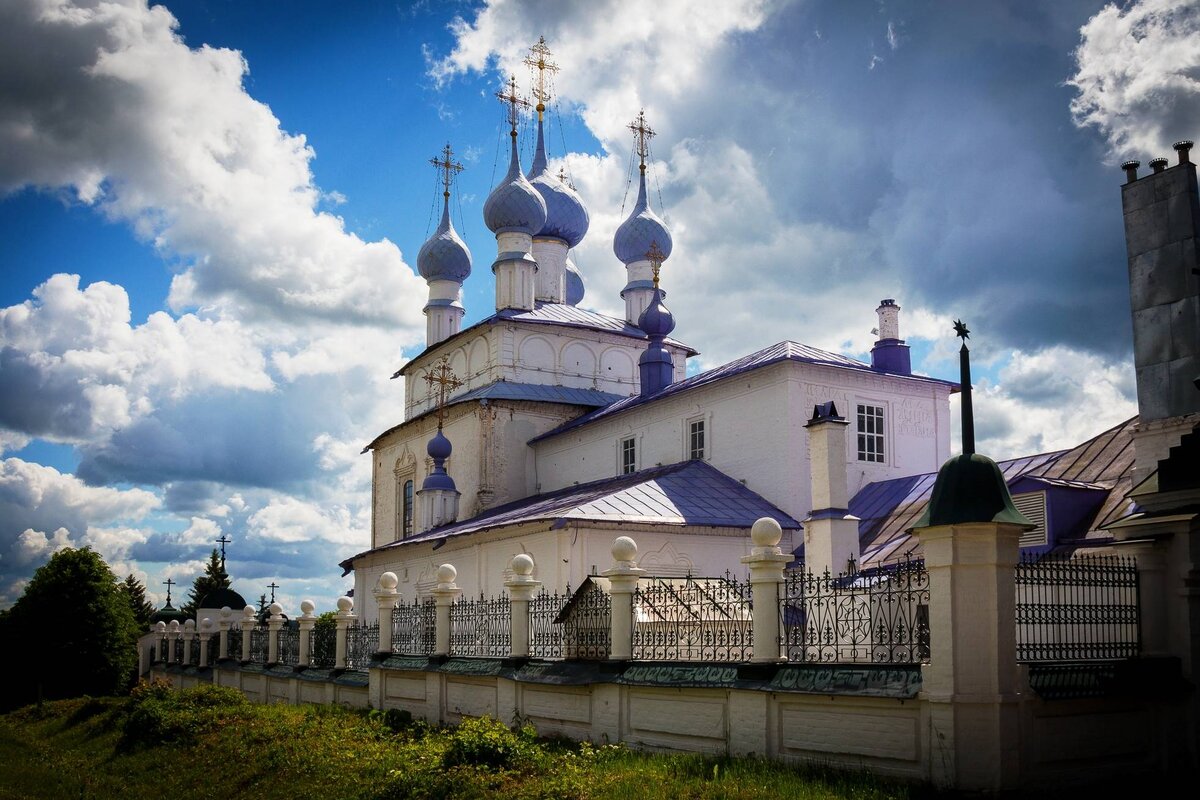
(623, 578)
(521, 589)
(830, 532)
(766, 562)
(345, 617)
(247, 626)
(274, 625)
(172, 638)
(306, 622)
(189, 633)
(444, 596)
(223, 626)
(160, 628)
(385, 597)
(206, 626)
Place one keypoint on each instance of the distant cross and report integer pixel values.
(642, 134)
(446, 381)
(562, 177)
(655, 256)
(272, 586)
(169, 583)
(964, 370)
(447, 167)
(515, 101)
(224, 540)
(539, 59)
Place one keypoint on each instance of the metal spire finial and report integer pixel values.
(642, 134)
(514, 102)
(655, 256)
(224, 540)
(448, 167)
(964, 369)
(272, 586)
(168, 583)
(446, 380)
(539, 59)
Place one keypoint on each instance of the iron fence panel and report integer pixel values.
(693, 619)
(587, 628)
(545, 634)
(322, 646)
(413, 628)
(362, 642)
(481, 627)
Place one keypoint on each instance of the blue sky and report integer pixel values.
(241, 188)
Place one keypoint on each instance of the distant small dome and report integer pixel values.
(573, 284)
(657, 319)
(219, 598)
(439, 450)
(445, 256)
(566, 216)
(514, 205)
(642, 229)
(439, 447)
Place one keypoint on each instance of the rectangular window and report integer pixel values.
(870, 433)
(628, 456)
(407, 512)
(696, 438)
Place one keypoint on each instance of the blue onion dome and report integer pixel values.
(643, 228)
(514, 205)
(566, 217)
(657, 319)
(445, 256)
(439, 447)
(573, 284)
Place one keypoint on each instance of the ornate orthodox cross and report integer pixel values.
(562, 178)
(964, 372)
(642, 134)
(446, 381)
(168, 583)
(224, 540)
(514, 102)
(447, 167)
(272, 586)
(655, 256)
(539, 59)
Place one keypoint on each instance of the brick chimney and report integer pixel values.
(830, 532)
(890, 353)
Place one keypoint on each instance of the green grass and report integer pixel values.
(210, 743)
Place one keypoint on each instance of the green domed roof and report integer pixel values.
(971, 488)
(219, 598)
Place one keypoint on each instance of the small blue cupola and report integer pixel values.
(573, 284)
(638, 233)
(566, 217)
(656, 366)
(514, 205)
(437, 500)
(444, 262)
(439, 449)
(444, 256)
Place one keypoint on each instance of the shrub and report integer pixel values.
(157, 714)
(485, 742)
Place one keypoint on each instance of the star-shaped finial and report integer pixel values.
(960, 330)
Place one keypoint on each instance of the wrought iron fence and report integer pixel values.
(214, 647)
(692, 619)
(289, 645)
(413, 627)
(880, 615)
(1077, 609)
(193, 650)
(587, 624)
(481, 627)
(362, 642)
(323, 646)
(545, 633)
(258, 644)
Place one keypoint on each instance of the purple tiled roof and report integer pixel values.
(555, 314)
(783, 351)
(687, 493)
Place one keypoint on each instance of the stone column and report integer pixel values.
(160, 628)
(189, 633)
(223, 626)
(247, 626)
(206, 625)
(521, 589)
(386, 596)
(444, 596)
(971, 681)
(766, 562)
(274, 625)
(623, 578)
(345, 617)
(172, 637)
(306, 622)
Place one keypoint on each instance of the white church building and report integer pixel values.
(548, 429)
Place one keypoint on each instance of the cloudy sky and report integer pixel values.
(210, 212)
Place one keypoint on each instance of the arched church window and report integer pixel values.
(406, 510)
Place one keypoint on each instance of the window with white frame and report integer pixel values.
(870, 433)
(696, 442)
(628, 451)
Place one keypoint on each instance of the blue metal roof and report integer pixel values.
(687, 493)
(783, 351)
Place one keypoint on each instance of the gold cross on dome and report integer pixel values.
(446, 381)
(655, 256)
(642, 134)
(562, 178)
(514, 101)
(539, 59)
(447, 167)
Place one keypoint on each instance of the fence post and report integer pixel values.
(345, 616)
(205, 632)
(385, 597)
(521, 589)
(444, 596)
(223, 625)
(274, 625)
(172, 637)
(766, 562)
(247, 626)
(189, 633)
(160, 653)
(306, 621)
(623, 579)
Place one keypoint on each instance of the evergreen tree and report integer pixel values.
(264, 609)
(214, 578)
(74, 631)
(135, 594)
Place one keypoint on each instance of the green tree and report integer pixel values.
(214, 578)
(264, 610)
(135, 595)
(70, 633)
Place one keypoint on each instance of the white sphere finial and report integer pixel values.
(276, 609)
(388, 581)
(226, 612)
(522, 564)
(624, 549)
(345, 605)
(446, 574)
(206, 624)
(307, 607)
(160, 626)
(190, 625)
(766, 532)
(174, 626)
(248, 612)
